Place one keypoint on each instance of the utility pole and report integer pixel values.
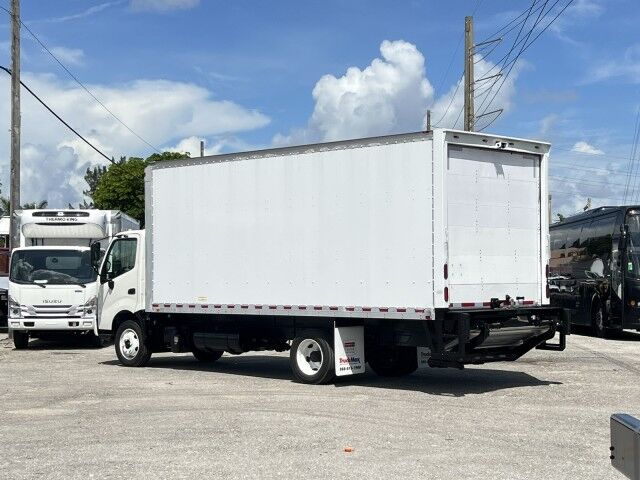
(202, 148)
(469, 110)
(428, 120)
(14, 193)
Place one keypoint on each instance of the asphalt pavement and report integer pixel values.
(71, 411)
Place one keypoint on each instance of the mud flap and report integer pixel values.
(424, 354)
(349, 350)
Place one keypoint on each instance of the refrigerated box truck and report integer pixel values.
(400, 251)
(52, 285)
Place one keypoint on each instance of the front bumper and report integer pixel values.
(52, 324)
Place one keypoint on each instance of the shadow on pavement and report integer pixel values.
(624, 335)
(446, 382)
(54, 341)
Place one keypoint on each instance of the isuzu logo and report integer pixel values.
(52, 301)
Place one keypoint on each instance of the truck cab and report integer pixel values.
(121, 275)
(52, 283)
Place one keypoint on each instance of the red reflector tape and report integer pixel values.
(204, 306)
(446, 294)
(302, 307)
(272, 307)
(350, 309)
(179, 305)
(155, 305)
(317, 308)
(244, 306)
(167, 305)
(468, 304)
(419, 310)
(366, 309)
(231, 306)
(528, 302)
(401, 310)
(287, 307)
(258, 307)
(217, 306)
(192, 306)
(383, 309)
(333, 308)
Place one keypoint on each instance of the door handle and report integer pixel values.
(131, 291)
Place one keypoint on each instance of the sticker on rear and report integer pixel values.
(349, 350)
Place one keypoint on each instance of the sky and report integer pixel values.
(252, 74)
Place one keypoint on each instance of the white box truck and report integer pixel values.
(52, 284)
(400, 251)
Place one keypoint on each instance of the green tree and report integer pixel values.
(35, 205)
(121, 186)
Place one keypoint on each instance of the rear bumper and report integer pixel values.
(51, 324)
(474, 336)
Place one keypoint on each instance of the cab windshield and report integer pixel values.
(633, 246)
(52, 267)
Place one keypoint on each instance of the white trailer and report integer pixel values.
(429, 247)
(52, 284)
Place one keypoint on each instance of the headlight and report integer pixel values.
(14, 308)
(90, 306)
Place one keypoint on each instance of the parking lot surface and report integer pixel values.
(70, 411)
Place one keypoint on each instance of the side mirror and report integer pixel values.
(95, 255)
(624, 235)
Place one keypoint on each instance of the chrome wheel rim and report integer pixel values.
(129, 344)
(309, 357)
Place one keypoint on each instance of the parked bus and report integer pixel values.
(594, 268)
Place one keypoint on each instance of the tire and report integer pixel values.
(312, 358)
(393, 361)
(20, 340)
(206, 356)
(131, 345)
(597, 323)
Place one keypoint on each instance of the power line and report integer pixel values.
(527, 44)
(59, 117)
(511, 63)
(77, 80)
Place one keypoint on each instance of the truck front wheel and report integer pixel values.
(393, 361)
(131, 345)
(20, 340)
(312, 358)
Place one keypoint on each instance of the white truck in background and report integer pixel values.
(401, 251)
(52, 284)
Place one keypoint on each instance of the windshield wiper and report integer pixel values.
(39, 284)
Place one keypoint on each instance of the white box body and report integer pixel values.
(358, 228)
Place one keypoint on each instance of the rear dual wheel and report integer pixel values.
(393, 361)
(312, 358)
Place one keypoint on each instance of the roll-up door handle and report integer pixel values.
(131, 291)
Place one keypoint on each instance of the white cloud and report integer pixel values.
(626, 68)
(163, 5)
(69, 56)
(85, 13)
(162, 112)
(584, 147)
(548, 123)
(392, 95)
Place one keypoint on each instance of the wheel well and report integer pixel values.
(120, 318)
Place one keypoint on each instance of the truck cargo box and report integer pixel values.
(388, 227)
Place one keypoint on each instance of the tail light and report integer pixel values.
(547, 270)
(548, 291)
(446, 271)
(446, 294)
